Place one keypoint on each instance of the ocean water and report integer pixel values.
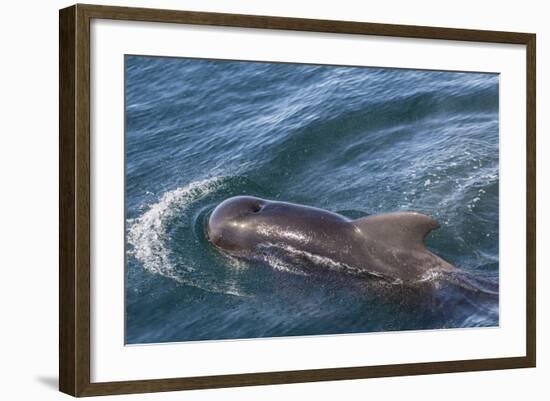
(353, 140)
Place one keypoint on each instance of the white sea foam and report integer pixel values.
(148, 236)
(301, 255)
(147, 233)
(281, 265)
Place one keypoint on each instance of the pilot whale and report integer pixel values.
(390, 246)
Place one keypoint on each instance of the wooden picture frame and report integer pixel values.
(74, 200)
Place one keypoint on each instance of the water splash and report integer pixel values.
(287, 258)
(148, 236)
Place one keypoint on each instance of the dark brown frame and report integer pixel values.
(74, 199)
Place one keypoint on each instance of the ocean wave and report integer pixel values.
(359, 140)
(149, 238)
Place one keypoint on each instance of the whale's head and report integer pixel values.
(243, 223)
(233, 225)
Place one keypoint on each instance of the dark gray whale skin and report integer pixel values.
(386, 245)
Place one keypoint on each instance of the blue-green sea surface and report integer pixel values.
(353, 140)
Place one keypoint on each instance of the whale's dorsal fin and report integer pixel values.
(404, 229)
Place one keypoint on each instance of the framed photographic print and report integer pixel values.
(251, 200)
